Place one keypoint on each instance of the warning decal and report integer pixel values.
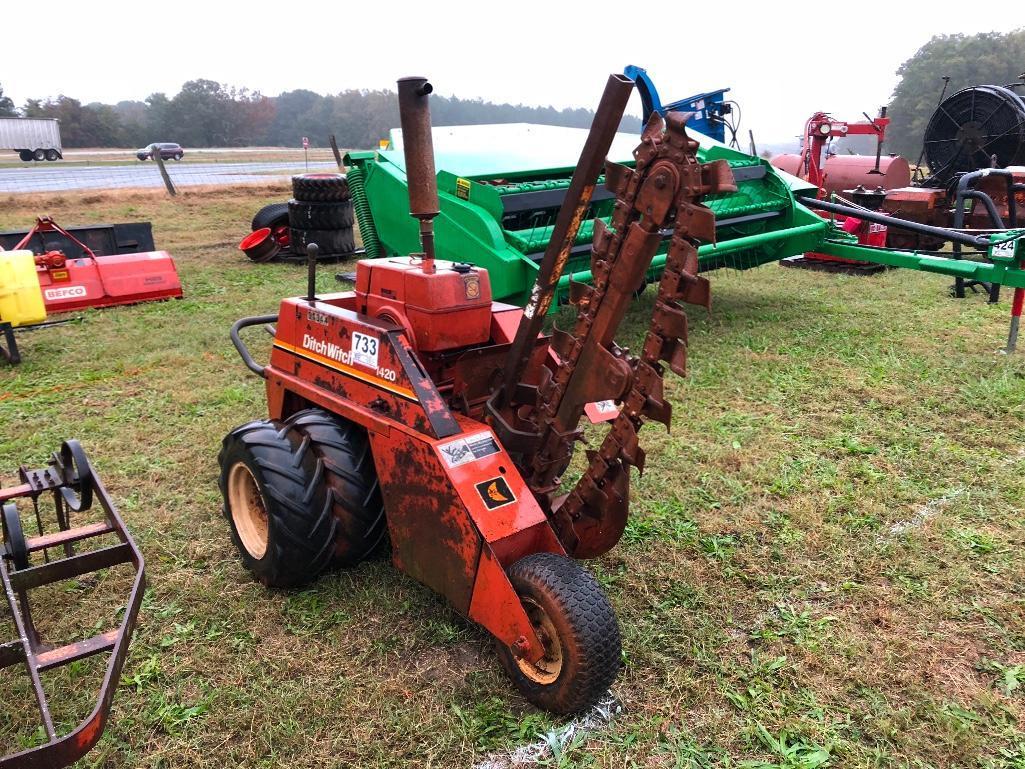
(495, 492)
(468, 449)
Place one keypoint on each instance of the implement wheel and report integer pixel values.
(578, 628)
(15, 546)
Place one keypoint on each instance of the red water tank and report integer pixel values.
(845, 172)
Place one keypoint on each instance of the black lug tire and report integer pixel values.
(349, 471)
(330, 242)
(52, 155)
(320, 216)
(585, 623)
(39, 155)
(320, 188)
(25, 155)
(300, 527)
(273, 215)
(319, 489)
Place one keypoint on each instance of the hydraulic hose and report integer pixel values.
(357, 177)
(976, 241)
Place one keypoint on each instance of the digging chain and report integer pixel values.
(663, 191)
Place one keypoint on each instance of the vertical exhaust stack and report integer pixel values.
(415, 116)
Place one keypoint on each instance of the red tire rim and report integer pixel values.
(259, 245)
(282, 236)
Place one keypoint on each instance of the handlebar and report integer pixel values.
(243, 351)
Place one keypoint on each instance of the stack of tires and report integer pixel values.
(321, 212)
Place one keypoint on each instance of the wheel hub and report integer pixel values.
(547, 669)
(247, 510)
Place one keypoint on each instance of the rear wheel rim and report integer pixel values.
(546, 670)
(248, 512)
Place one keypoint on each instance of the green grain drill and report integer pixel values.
(501, 185)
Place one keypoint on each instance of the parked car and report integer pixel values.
(167, 151)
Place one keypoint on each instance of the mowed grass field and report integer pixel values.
(823, 565)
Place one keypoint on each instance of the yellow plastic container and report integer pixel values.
(21, 298)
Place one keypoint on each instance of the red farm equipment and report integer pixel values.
(855, 175)
(86, 535)
(417, 407)
(51, 270)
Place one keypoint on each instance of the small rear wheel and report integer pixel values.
(25, 155)
(52, 155)
(578, 628)
(39, 155)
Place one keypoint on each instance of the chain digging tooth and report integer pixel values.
(602, 237)
(653, 130)
(697, 290)
(674, 353)
(565, 530)
(718, 176)
(626, 436)
(633, 454)
(580, 295)
(699, 221)
(617, 178)
(562, 342)
(657, 410)
(670, 320)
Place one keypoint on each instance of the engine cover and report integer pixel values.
(443, 310)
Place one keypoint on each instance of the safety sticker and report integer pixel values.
(468, 449)
(463, 189)
(495, 492)
(364, 349)
(601, 411)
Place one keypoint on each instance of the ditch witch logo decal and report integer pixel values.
(495, 492)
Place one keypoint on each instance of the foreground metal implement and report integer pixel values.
(417, 402)
(29, 562)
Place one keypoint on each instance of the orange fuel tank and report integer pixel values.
(845, 172)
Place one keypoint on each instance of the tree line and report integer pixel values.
(210, 114)
(990, 58)
(205, 113)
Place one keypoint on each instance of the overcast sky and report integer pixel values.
(783, 60)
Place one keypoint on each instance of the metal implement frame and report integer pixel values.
(74, 487)
(9, 344)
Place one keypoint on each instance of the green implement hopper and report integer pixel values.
(500, 187)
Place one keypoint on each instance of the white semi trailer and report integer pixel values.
(32, 138)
